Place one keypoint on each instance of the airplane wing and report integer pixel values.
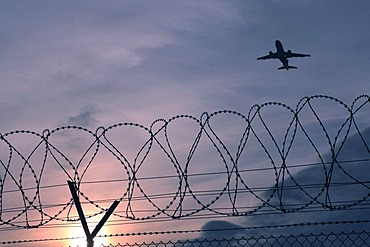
(269, 56)
(292, 54)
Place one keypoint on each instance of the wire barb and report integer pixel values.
(19, 166)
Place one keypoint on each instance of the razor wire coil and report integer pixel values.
(159, 137)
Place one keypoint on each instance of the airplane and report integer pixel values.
(282, 56)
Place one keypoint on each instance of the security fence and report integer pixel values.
(320, 239)
(321, 136)
(71, 153)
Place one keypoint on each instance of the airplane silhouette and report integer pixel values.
(282, 56)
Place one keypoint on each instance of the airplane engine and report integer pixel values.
(289, 52)
(270, 52)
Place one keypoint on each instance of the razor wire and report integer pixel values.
(19, 168)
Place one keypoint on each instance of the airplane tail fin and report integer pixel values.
(288, 67)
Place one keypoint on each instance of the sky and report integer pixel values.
(95, 63)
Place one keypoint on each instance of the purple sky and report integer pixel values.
(98, 63)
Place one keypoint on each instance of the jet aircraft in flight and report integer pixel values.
(282, 56)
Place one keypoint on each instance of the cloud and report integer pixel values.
(209, 227)
(139, 62)
(353, 193)
(347, 194)
(125, 55)
(86, 118)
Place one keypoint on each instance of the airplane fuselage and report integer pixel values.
(279, 48)
(282, 55)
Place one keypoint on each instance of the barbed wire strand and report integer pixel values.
(159, 137)
(303, 224)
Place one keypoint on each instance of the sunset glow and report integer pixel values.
(81, 242)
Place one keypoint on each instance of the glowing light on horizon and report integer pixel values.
(77, 232)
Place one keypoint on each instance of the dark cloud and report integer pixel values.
(354, 193)
(354, 176)
(85, 118)
(217, 230)
(220, 229)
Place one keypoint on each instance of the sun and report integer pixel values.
(76, 232)
(80, 237)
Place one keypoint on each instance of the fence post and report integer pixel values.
(89, 236)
